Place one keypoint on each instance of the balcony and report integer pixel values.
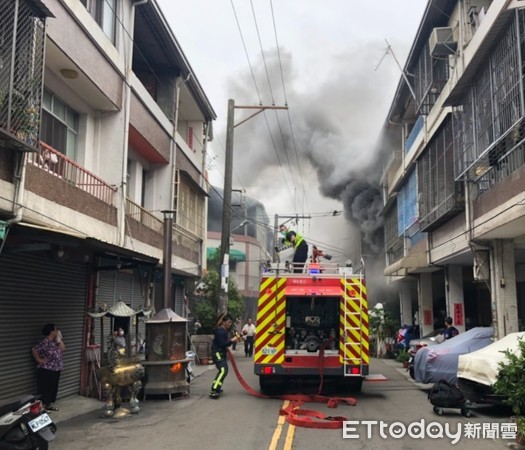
(396, 251)
(144, 217)
(60, 166)
(141, 224)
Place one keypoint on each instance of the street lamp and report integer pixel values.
(243, 223)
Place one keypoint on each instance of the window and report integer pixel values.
(59, 125)
(190, 208)
(105, 14)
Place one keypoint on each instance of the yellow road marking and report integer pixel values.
(278, 430)
(289, 437)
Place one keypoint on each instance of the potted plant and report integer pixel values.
(403, 357)
(382, 328)
(510, 384)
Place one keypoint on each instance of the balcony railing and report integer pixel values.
(396, 251)
(186, 244)
(59, 165)
(138, 213)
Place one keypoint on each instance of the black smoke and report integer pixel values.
(336, 123)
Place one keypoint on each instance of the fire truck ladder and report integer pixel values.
(354, 329)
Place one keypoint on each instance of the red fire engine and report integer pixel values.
(312, 324)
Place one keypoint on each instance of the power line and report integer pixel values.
(262, 53)
(246, 53)
(286, 103)
(273, 99)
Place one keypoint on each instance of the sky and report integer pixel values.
(327, 62)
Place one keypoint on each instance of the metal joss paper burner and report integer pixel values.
(165, 355)
(122, 368)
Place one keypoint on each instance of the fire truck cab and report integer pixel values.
(311, 324)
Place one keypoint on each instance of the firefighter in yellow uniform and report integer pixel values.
(219, 349)
(301, 250)
(294, 239)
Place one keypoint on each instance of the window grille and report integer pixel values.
(407, 204)
(440, 196)
(489, 122)
(22, 36)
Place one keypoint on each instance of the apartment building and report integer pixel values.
(453, 184)
(103, 126)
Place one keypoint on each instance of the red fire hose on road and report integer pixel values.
(297, 416)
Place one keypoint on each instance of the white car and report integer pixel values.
(478, 371)
(431, 338)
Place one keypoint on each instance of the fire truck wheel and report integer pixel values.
(271, 385)
(353, 384)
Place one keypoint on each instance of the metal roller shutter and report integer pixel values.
(114, 286)
(35, 290)
(179, 300)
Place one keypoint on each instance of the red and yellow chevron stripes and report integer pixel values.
(353, 326)
(271, 320)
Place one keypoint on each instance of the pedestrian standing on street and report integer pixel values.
(219, 349)
(48, 355)
(450, 331)
(248, 332)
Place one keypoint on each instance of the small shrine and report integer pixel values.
(119, 368)
(166, 361)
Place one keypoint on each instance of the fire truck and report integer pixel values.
(311, 324)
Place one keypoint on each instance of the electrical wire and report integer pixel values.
(246, 53)
(259, 96)
(262, 53)
(286, 104)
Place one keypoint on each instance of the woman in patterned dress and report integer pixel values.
(48, 355)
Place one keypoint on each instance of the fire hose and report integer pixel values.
(293, 413)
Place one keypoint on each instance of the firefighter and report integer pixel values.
(301, 250)
(285, 242)
(219, 348)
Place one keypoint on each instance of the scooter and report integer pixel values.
(25, 425)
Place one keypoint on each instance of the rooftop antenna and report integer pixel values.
(390, 51)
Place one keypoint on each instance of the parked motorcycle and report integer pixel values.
(25, 425)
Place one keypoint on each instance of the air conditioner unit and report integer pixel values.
(442, 42)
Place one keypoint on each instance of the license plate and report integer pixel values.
(269, 351)
(40, 422)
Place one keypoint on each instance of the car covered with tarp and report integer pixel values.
(440, 362)
(478, 371)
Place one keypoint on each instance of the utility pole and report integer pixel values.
(276, 232)
(227, 204)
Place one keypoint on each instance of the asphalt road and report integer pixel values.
(238, 420)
